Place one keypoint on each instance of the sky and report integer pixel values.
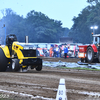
(61, 10)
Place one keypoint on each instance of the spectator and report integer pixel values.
(37, 52)
(51, 51)
(65, 51)
(54, 52)
(60, 50)
(57, 51)
(76, 51)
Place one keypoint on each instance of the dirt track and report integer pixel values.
(79, 83)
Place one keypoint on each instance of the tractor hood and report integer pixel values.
(27, 45)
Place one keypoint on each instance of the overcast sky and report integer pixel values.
(63, 10)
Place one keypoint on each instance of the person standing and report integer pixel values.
(51, 51)
(57, 51)
(54, 51)
(60, 50)
(65, 51)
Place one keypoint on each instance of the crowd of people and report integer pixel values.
(56, 51)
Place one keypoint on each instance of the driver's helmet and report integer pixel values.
(10, 39)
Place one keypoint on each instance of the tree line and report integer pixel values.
(90, 16)
(39, 27)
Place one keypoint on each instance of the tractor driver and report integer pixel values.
(9, 40)
(96, 41)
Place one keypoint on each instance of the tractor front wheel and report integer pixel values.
(15, 65)
(39, 67)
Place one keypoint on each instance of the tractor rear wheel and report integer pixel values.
(3, 61)
(99, 57)
(90, 55)
(15, 65)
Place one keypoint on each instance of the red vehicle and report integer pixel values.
(90, 52)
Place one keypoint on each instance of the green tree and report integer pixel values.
(93, 2)
(44, 28)
(38, 26)
(80, 31)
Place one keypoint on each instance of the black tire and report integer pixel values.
(3, 61)
(15, 65)
(90, 55)
(99, 57)
(39, 67)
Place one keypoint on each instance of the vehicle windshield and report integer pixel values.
(96, 40)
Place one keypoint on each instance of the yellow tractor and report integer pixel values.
(15, 55)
